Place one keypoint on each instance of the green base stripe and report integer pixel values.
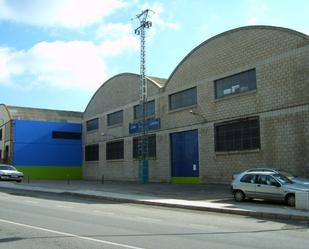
(50, 172)
(194, 180)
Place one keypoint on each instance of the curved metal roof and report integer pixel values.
(294, 32)
(158, 82)
(28, 113)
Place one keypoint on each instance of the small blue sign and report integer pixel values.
(151, 124)
(134, 128)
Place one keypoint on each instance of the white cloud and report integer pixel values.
(4, 57)
(70, 64)
(64, 13)
(116, 47)
(7, 68)
(113, 30)
(67, 65)
(117, 38)
(61, 65)
(158, 21)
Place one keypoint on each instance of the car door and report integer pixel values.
(268, 187)
(247, 184)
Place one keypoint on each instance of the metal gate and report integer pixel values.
(184, 157)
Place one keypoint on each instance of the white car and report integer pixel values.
(8, 172)
(296, 179)
(265, 185)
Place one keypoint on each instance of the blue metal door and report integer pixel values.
(184, 154)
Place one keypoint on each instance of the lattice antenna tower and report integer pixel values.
(141, 31)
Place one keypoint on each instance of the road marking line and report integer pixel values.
(28, 201)
(62, 206)
(103, 212)
(201, 226)
(70, 234)
(147, 219)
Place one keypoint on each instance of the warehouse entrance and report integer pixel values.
(184, 157)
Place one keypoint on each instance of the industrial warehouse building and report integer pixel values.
(238, 100)
(43, 144)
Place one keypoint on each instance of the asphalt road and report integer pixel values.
(45, 222)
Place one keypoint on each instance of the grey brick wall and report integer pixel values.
(281, 101)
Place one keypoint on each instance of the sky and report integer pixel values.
(55, 54)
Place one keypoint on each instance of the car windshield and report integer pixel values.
(6, 167)
(287, 174)
(282, 179)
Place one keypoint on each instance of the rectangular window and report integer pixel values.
(0, 134)
(235, 84)
(115, 118)
(149, 110)
(114, 150)
(92, 124)
(183, 99)
(92, 152)
(6, 154)
(66, 135)
(238, 135)
(151, 146)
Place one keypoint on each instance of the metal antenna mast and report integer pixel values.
(143, 141)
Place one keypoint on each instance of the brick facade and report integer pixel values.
(280, 58)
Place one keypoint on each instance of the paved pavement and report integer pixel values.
(206, 197)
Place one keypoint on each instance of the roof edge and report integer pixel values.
(118, 75)
(6, 108)
(153, 80)
(232, 31)
(41, 109)
(105, 82)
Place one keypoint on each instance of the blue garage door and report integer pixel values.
(184, 156)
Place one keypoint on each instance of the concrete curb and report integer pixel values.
(265, 215)
(258, 214)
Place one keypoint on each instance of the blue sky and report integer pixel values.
(55, 54)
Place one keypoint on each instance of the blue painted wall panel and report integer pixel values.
(27, 131)
(34, 145)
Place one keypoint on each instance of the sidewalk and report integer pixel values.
(206, 197)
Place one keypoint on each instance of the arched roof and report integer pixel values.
(240, 29)
(123, 82)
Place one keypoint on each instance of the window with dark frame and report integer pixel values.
(66, 135)
(183, 99)
(0, 134)
(92, 124)
(234, 84)
(92, 152)
(115, 118)
(114, 150)
(6, 153)
(238, 135)
(152, 149)
(150, 110)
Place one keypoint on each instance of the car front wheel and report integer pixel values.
(290, 200)
(239, 195)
